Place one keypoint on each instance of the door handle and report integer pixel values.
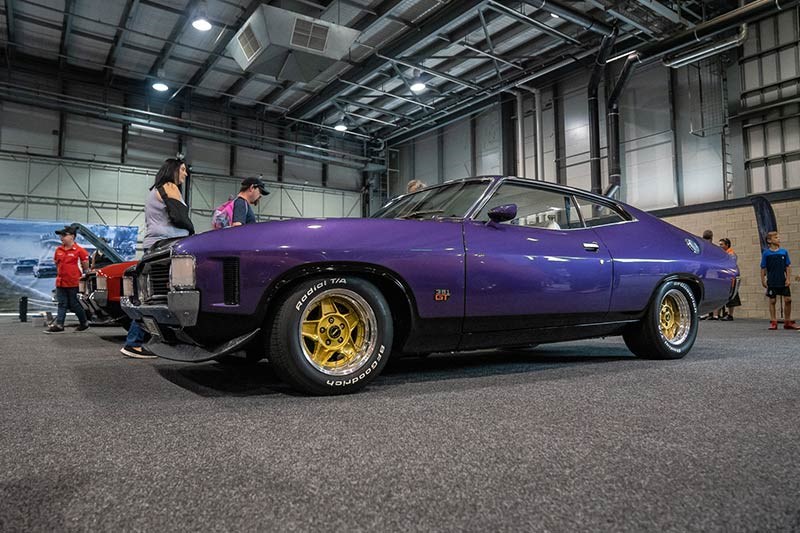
(591, 246)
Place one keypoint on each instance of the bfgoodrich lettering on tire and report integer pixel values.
(331, 335)
(669, 328)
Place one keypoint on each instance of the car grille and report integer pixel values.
(153, 283)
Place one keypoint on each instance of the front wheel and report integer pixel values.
(331, 335)
(669, 328)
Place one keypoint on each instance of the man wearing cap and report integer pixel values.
(66, 258)
(251, 191)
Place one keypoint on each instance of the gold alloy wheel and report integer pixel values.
(674, 317)
(337, 332)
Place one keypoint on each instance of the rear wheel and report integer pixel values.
(669, 328)
(331, 335)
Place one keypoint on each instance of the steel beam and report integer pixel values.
(66, 30)
(541, 26)
(386, 93)
(569, 14)
(174, 35)
(11, 25)
(623, 18)
(431, 71)
(119, 39)
(222, 43)
(363, 24)
(374, 108)
(660, 9)
(432, 25)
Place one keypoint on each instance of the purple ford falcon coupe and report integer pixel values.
(473, 263)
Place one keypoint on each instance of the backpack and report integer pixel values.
(223, 215)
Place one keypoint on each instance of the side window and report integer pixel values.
(536, 208)
(596, 214)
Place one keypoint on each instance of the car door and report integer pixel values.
(541, 269)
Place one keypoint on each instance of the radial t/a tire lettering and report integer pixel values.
(669, 327)
(331, 335)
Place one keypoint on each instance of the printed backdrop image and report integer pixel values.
(26, 258)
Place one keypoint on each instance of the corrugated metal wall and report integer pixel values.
(89, 184)
(770, 73)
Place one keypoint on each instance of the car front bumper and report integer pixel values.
(180, 310)
(166, 322)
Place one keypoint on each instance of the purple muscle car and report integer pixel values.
(474, 263)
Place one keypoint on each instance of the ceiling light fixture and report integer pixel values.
(147, 128)
(160, 86)
(621, 56)
(200, 21)
(554, 16)
(418, 84)
(340, 126)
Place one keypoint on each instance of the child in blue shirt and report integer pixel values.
(776, 276)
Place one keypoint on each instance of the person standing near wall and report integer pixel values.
(166, 216)
(250, 193)
(67, 257)
(725, 244)
(776, 277)
(708, 236)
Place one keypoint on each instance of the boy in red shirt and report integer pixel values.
(67, 257)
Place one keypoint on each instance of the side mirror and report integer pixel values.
(503, 213)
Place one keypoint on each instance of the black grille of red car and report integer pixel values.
(230, 280)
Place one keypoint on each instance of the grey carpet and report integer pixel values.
(573, 436)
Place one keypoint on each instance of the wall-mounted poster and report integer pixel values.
(26, 256)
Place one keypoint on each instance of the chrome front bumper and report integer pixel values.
(180, 310)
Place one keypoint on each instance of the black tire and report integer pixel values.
(669, 327)
(331, 335)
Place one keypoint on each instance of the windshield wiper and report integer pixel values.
(422, 212)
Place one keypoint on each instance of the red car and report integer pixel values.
(100, 289)
(99, 292)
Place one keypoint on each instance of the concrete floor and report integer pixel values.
(573, 436)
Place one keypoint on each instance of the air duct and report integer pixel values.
(289, 46)
(614, 166)
(707, 51)
(594, 109)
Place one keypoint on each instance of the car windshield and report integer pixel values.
(451, 200)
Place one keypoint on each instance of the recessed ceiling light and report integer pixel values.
(201, 24)
(418, 86)
(200, 21)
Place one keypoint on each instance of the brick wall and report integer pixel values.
(739, 225)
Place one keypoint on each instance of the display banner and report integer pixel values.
(26, 257)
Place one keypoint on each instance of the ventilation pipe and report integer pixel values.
(707, 51)
(594, 109)
(747, 13)
(614, 168)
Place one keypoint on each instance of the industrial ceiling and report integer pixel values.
(466, 51)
